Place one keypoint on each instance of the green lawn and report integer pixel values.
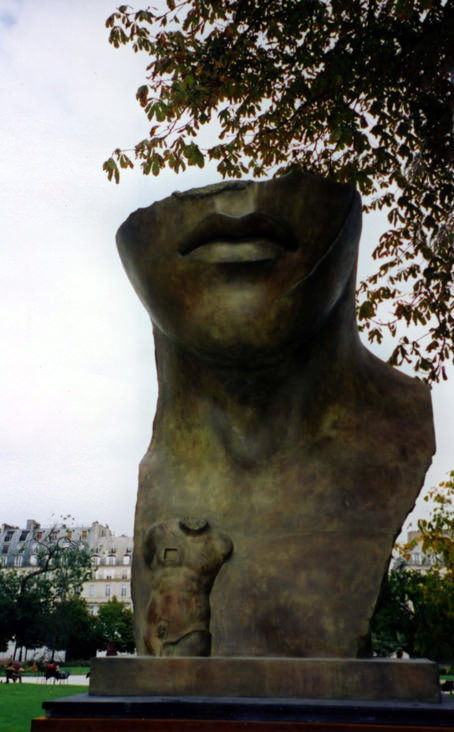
(79, 670)
(19, 703)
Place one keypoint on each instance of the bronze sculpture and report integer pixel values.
(274, 423)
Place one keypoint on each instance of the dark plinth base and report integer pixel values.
(84, 713)
(253, 695)
(269, 678)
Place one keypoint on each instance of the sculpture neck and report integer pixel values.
(255, 413)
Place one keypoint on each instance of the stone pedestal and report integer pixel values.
(253, 695)
(271, 678)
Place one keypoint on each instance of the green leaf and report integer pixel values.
(366, 310)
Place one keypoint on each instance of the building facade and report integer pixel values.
(414, 557)
(111, 556)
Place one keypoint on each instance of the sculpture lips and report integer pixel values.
(256, 228)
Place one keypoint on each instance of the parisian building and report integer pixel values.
(111, 556)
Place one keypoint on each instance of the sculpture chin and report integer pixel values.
(235, 324)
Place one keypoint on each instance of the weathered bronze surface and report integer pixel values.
(274, 423)
(377, 679)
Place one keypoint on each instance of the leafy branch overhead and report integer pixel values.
(362, 91)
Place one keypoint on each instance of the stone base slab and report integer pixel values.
(284, 678)
(84, 713)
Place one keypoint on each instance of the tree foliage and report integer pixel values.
(392, 624)
(71, 627)
(437, 532)
(29, 598)
(115, 626)
(69, 563)
(362, 91)
(415, 610)
(415, 613)
(24, 608)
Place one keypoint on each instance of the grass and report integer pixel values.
(79, 670)
(19, 703)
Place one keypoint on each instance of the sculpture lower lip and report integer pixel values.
(251, 250)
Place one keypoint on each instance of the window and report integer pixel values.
(107, 591)
(91, 591)
(9, 535)
(108, 574)
(126, 559)
(23, 536)
(124, 591)
(111, 559)
(18, 560)
(96, 560)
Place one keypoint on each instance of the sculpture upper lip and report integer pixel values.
(235, 230)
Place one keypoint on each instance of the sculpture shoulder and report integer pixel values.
(402, 402)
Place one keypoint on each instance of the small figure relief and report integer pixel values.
(185, 555)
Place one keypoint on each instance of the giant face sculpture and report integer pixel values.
(244, 271)
(275, 429)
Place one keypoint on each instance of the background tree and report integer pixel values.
(24, 608)
(72, 628)
(392, 624)
(30, 596)
(362, 91)
(437, 533)
(68, 562)
(415, 613)
(8, 593)
(415, 610)
(115, 621)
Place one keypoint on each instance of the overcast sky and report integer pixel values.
(78, 387)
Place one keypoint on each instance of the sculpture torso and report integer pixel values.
(312, 518)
